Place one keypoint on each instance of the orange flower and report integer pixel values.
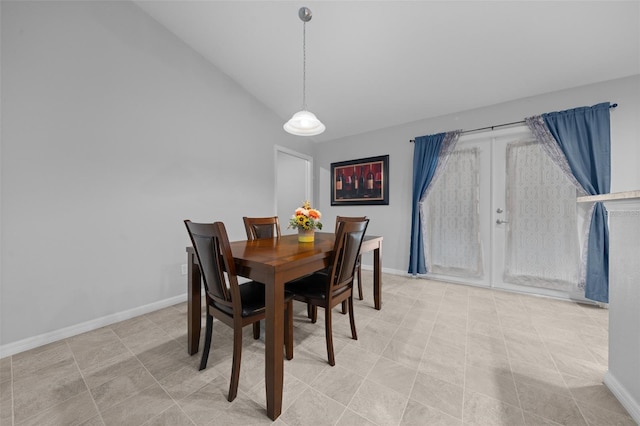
(306, 218)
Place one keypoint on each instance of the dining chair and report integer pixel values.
(358, 271)
(231, 303)
(261, 227)
(328, 290)
(358, 266)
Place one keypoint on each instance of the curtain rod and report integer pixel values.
(499, 125)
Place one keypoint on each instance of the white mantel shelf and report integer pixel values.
(628, 195)
(623, 375)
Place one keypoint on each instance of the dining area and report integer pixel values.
(316, 268)
(117, 129)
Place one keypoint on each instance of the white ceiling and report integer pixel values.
(375, 64)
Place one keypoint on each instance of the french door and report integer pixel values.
(502, 215)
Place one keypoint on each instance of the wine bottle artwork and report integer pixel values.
(348, 186)
(377, 185)
(369, 187)
(354, 180)
(360, 193)
(339, 186)
(360, 182)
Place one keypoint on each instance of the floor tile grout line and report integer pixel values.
(168, 393)
(75, 363)
(152, 376)
(163, 411)
(354, 394)
(513, 378)
(464, 368)
(415, 375)
(364, 379)
(543, 340)
(13, 411)
(564, 380)
(424, 350)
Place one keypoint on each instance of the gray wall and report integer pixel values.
(113, 132)
(394, 221)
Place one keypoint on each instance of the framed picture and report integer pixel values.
(360, 182)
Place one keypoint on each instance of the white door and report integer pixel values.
(456, 216)
(522, 253)
(293, 183)
(537, 248)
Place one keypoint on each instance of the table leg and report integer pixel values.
(377, 278)
(274, 341)
(194, 305)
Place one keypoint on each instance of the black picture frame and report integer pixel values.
(371, 184)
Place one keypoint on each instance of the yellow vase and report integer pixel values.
(305, 235)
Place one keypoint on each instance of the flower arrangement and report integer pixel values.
(306, 218)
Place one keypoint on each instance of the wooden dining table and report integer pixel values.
(274, 262)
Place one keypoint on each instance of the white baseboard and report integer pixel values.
(626, 399)
(53, 336)
(386, 270)
(46, 338)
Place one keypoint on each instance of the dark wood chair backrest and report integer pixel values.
(348, 219)
(261, 227)
(211, 244)
(345, 255)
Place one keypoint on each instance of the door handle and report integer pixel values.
(500, 221)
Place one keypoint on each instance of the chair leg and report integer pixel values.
(360, 281)
(314, 313)
(352, 320)
(207, 343)
(256, 330)
(329, 336)
(288, 332)
(237, 357)
(345, 308)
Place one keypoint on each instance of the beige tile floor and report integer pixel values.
(435, 354)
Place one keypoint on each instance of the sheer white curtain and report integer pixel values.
(542, 247)
(450, 218)
(550, 146)
(541, 244)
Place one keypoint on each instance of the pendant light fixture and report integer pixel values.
(303, 122)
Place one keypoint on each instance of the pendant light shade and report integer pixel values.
(303, 122)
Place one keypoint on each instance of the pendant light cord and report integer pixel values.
(303, 122)
(304, 66)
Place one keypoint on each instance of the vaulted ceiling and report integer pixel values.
(375, 64)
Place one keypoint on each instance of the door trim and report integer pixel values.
(308, 171)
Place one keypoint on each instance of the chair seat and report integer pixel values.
(312, 286)
(252, 294)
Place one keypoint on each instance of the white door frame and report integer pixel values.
(308, 172)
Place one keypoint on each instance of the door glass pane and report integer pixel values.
(450, 218)
(542, 238)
